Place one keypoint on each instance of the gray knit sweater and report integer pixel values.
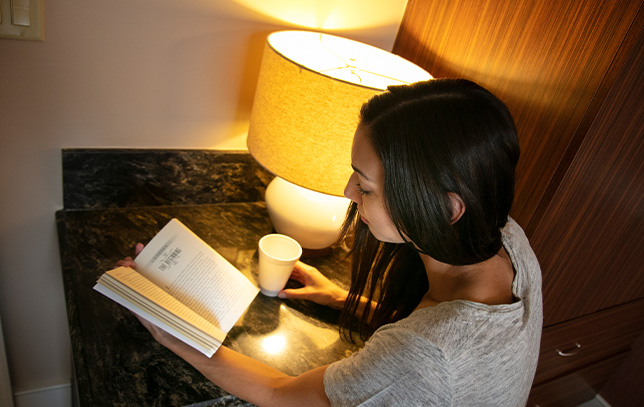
(457, 353)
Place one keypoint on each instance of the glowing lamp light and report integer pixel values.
(310, 89)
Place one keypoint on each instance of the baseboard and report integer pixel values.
(51, 396)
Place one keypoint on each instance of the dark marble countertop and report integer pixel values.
(116, 361)
(114, 199)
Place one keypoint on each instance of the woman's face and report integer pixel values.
(365, 188)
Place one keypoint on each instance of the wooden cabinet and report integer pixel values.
(589, 239)
(572, 345)
(571, 74)
(578, 357)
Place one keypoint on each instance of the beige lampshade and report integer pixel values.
(309, 93)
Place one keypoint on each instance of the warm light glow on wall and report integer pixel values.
(331, 14)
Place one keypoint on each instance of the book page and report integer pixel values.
(183, 265)
(145, 288)
(133, 291)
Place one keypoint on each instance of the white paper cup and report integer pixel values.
(277, 257)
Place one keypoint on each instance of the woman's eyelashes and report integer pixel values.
(361, 191)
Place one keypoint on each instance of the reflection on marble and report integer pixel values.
(108, 178)
(224, 401)
(117, 363)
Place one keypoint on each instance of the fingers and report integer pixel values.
(305, 268)
(294, 293)
(287, 293)
(298, 274)
(299, 267)
(128, 261)
(301, 272)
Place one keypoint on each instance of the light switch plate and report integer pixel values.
(34, 32)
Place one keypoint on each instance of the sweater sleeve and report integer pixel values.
(394, 366)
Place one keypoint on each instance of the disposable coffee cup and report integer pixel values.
(277, 256)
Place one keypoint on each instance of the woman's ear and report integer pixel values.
(458, 206)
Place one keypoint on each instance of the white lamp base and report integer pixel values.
(312, 218)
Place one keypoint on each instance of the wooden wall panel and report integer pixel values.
(548, 61)
(590, 241)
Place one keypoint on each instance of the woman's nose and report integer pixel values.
(350, 191)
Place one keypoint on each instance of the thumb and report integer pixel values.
(291, 293)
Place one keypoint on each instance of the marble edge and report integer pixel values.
(96, 178)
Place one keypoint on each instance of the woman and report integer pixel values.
(444, 285)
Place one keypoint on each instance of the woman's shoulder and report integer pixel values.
(517, 245)
(527, 284)
(460, 322)
(444, 322)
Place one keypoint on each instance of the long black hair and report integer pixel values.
(433, 138)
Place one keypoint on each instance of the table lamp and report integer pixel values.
(309, 93)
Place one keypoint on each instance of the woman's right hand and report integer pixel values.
(317, 287)
(128, 261)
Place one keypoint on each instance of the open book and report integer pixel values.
(183, 286)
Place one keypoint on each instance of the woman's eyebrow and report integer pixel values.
(362, 174)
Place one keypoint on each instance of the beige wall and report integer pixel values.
(121, 73)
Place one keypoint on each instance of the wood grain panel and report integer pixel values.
(591, 238)
(585, 341)
(546, 60)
